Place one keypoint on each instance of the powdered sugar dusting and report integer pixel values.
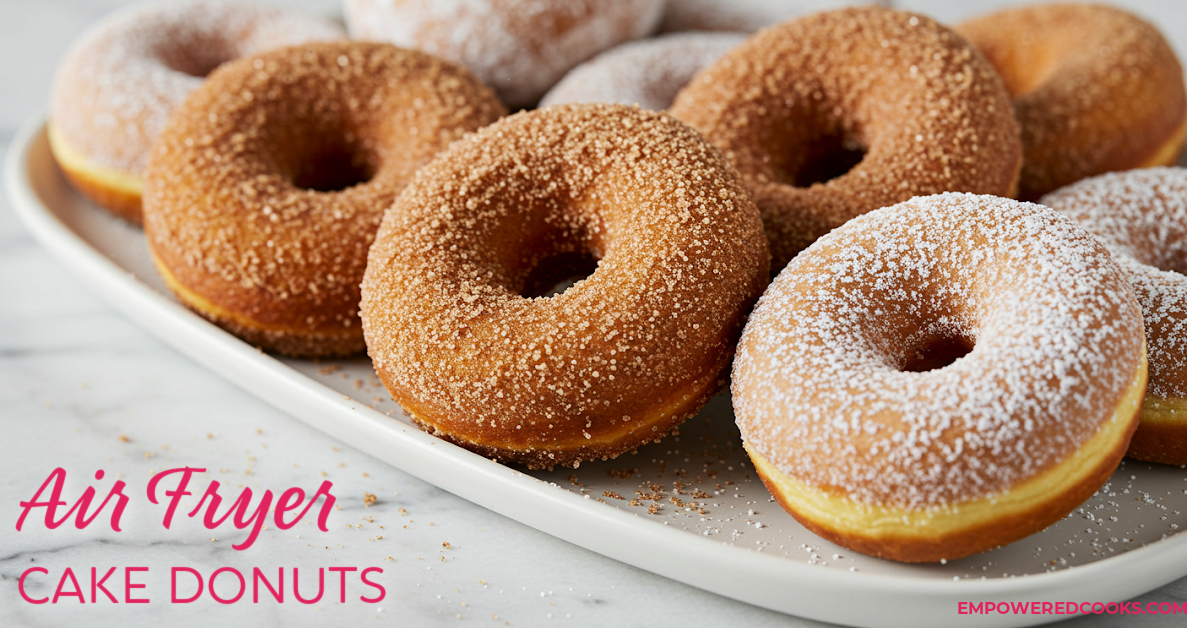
(120, 81)
(741, 15)
(818, 387)
(1141, 216)
(647, 73)
(518, 47)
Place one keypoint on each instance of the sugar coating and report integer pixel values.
(227, 209)
(1141, 216)
(619, 358)
(746, 16)
(646, 73)
(928, 110)
(121, 79)
(519, 47)
(1095, 88)
(818, 385)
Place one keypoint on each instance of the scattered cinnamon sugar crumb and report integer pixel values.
(368, 499)
(123, 438)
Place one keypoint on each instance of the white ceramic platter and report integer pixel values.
(689, 508)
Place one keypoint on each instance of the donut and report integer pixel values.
(1141, 217)
(745, 16)
(1096, 89)
(800, 103)
(264, 191)
(941, 377)
(647, 73)
(520, 48)
(120, 81)
(459, 328)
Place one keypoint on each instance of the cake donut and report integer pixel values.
(1095, 88)
(1141, 217)
(745, 16)
(120, 81)
(264, 192)
(647, 73)
(521, 48)
(941, 377)
(453, 308)
(800, 103)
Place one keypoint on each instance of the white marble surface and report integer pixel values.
(83, 388)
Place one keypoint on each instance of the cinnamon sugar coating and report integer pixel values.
(1095, 88)
(828, 383)
(928, 111)
(264, 192)
(121, 79)
(617, 359)
(1141, 217)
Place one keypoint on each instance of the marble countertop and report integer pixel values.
(83, 388)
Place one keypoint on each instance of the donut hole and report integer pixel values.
(827, 158)
(197, 56)
(556, 273)
(937, 352)
(334, 166)
(197, 66)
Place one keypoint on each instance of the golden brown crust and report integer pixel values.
(1096, 89)
(618, 359)
(234, 202)
(1162, 434)
(988, 534)
(126, 205)
(930, 113)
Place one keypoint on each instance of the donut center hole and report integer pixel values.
(937, 352)
(555, 274)
(828, 158)
(198, 59)
(334, 167)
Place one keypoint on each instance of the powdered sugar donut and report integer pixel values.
(745, 16)
(941, 377)
(647, 73)
(120, 81)
(518, 47)
(1141, 216)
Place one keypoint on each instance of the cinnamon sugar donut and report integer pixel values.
(647, 73)
(800, 102)
(264, 192)
(519, 47)
(120, 81)
(1141, 216)
(941, 377)
(1095, 88)
(450, 312)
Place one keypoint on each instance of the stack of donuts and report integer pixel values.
(822, 212)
